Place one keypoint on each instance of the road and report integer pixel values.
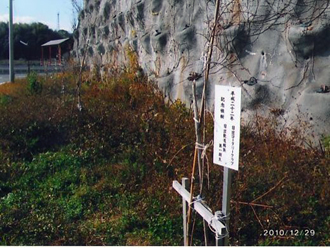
(5, 78)
(21, 71)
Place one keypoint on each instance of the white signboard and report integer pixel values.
(227, 116)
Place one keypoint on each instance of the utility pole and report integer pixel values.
(58, 21)
(11, 43)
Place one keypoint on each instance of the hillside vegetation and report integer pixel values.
(103, 175)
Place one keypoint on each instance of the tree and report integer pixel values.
(77, 7)
(4, 40)
(34, 35)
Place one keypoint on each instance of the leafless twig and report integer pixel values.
(270, 190)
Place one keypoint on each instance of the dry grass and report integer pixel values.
(133, 144)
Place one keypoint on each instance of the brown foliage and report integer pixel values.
(149, 142)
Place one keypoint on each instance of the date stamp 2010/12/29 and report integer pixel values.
(288, 232)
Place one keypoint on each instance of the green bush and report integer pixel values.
(5, 99)
(34, 85)
(326, 143)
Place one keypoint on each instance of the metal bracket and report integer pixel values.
(203, 210)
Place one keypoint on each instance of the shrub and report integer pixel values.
(5, 99)
(34, 85)
(326, 143)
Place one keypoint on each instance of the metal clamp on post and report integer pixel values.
(219, 216)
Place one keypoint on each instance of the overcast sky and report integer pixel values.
(45, 11)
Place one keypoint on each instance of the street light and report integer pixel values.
(22, 42)
(27, 55)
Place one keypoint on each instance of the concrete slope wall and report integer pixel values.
(278, 51)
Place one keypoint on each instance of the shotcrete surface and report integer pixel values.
(277, 51)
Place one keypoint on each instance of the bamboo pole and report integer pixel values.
(184, 212)
(208, 60)
(199, 123)
(191, 196)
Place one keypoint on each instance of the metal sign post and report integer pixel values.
(226, 203)
(227, 115)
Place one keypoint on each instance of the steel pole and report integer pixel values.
(11, 43)
(227, 176)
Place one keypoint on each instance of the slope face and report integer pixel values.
(277, 51)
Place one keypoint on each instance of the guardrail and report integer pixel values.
(38, 69)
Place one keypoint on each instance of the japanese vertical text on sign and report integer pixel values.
(227, 116)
